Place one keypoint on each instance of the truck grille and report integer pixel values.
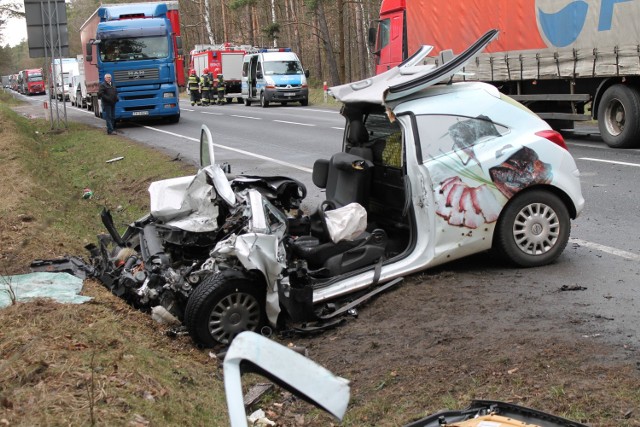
(147, 74)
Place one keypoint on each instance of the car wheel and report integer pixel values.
(284, 103)
(619, 116)
(247, 102)
(304, 102)
(221, 307)
(263, 102)
(533, 229)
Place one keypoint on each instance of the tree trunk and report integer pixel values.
(360, 42)
(341, 40)
(207, 22)
(326, 39)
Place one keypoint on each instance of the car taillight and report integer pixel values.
(554, 137)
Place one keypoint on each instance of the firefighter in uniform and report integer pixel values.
(194, 87)
(205, 87)
(220, 88)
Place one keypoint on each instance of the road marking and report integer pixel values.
(225, 147)
(246, 117)
(186, 109)
(318, 111)
(213, 114)
(333, 127)
(607, 249)
(293, 123)
(609, 161)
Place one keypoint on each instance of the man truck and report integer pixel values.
(566, 60)
(31, 82)
(139, 44)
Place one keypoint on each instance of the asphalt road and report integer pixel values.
(601, 262)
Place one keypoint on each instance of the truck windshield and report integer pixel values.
(131, 49)
(282, 67)
(35, 77)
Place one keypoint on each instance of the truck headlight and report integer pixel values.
(169, 95)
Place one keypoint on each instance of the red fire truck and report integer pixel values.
(225, 59)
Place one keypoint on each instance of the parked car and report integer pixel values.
(430, 171)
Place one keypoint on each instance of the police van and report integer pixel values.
(274, 75)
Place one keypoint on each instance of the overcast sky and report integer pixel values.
(14, 32)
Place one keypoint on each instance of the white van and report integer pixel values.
(274, 76)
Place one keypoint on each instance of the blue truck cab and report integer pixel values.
(136, 44)
(274, 75)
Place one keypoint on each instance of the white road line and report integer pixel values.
(246, 117)
(186, 109)
(607, 249)
(609, 161)
(318, 111)
(599, 146)
(334, 127)
(213, 114)
(246, 153)
(293, 123)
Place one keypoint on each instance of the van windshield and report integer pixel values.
(282, 67)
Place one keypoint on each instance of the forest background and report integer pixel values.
(329, 36)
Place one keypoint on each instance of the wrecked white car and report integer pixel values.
(430, 171)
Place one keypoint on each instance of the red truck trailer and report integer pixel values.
(223, 58)
(567, 61)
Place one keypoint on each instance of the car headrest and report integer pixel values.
(357, 133)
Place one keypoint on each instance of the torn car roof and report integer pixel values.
(409, 77)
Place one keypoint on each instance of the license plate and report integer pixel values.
(140, 113)
(289, 94)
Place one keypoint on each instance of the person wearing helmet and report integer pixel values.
(220, 88)
(205, 87)
(194, 87)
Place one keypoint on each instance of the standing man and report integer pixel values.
(109, 96)
(220, 88)
(194, 87)
(205, 87)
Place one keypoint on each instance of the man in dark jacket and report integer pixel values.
(109, 96)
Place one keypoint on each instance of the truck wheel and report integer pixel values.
(304, 102)
(619, 116)
(247, 102)
(221, 307)
(173, 119)
(96, 106)
(533, 229)
(263, 102)
(78, 99)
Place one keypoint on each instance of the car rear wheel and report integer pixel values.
(533, 229)
(221, 307)
(263, 102)
(247, 102)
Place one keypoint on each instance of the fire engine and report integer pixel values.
(225, 59)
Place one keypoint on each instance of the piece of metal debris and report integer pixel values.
(255, 393)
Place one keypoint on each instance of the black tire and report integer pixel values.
(229, 304)
(78, 99)
(619, 116)
(533, 229)
(247, 102)
(284, 103)
(263, 102)
(173, 119)
(304, 102)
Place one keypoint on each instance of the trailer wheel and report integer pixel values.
(263, 102)
(533, 229)
(223, 306)
(247, 102)
(619, 116)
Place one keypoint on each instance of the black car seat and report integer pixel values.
(347, 179)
